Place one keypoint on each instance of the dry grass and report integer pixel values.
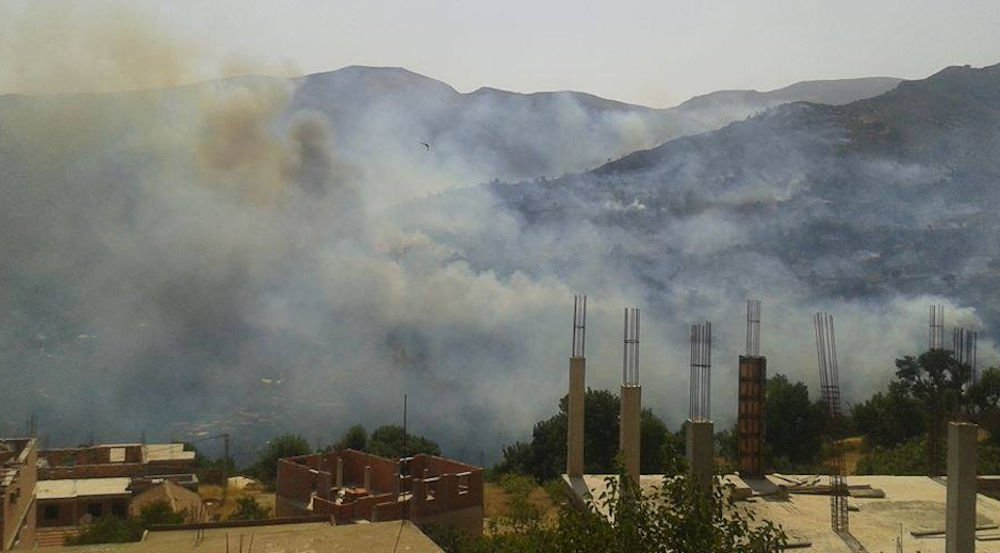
(496, 502)
(219, 510)
(853, 449)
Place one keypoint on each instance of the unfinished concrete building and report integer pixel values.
(355, 486)
(889, 513)
(18, 475)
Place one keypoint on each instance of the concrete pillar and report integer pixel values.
(700, 452)
(628, 430)
(960, 517)
(368, 479)
(575, 415)
(340, 472)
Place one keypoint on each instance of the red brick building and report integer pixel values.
(352, 485)
(18, 474)
(114, 461)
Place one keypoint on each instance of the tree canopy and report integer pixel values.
(286, 445)
(544, 457)
(889, 418)
(795, 425)
(355, 438)
(387, 441)
(677, 516)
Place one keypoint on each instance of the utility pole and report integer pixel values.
(225, 466)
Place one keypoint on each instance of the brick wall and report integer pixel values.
(19, 497)
(389, 510)
(451, 491)
(298, 482)
(114, 470)
(90, 455)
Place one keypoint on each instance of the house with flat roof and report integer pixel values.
(71, 502)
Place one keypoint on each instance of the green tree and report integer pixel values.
(247, 508)
(545, 456)
(113, 529)
(387, 441)
(159, 512)
(984, 397)
(935, 379)
(286, 445)
(727, 448)
(908, 458)
(355, 438)
(678, 516)
(889, 418)
(208, 470)
(795, 425)
(107, 529)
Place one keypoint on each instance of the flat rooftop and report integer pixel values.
(910, 504)
(85, 487)
(313, 536)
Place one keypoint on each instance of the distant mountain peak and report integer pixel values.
(829, 91)
(381, 78)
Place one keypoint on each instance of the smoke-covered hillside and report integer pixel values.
(221, 257)
(870, 210)
(493, 134)
(867, 210)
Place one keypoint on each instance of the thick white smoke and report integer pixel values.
(222, 257)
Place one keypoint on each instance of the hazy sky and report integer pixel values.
(655, 52)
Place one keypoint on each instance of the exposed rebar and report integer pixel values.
(964, 348)
(579, 326)
(935, 332)
(699, 407)
(753, 328)
(630, 355)
(826, 355)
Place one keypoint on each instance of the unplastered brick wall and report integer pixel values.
(436, 466)
(119, 470)
(94, 455)
(447, 492)
(17, 498)
(298, 481)
(446, 486)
